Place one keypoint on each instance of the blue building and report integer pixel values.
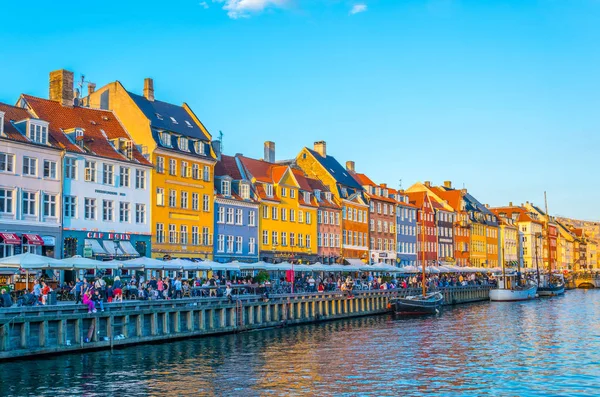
(236, 214)
(406, 232)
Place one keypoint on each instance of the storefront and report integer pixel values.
(292, 257)
(105, 245)
(40, 242)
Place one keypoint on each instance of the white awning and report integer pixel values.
(128, 248)
(110, 247)
(355, 262)
(96, 248)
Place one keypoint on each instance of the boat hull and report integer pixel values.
(551, 291)
(415, 307)
(513, 295)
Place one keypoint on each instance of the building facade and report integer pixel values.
(236, 214)
(105, 183)
(182, 183)
(329, 225)
(30, 185)
(426, 228)
(406, 231)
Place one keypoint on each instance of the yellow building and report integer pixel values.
(179, 146)
(565, 247)
(287, 213)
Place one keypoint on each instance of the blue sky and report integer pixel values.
(502, 97)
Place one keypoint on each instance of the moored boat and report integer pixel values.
(509, 290)
(419, 304)
(552, 285)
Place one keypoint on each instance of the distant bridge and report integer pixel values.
(586, 280)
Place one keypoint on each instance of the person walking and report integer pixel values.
(78, 290)
(178, 287)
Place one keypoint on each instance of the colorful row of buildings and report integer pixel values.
(115, 175)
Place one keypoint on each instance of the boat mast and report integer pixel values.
(548, 235)
(503, 268)
(423, 287)
(537, 267)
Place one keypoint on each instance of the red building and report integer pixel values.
(426, 227)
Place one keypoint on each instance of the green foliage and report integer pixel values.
(262, 276)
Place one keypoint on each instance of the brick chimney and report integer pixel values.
(91, 88)
(149, 89)
(427, 183)
(269, 152)
(448, 184)
(510, 204)
(216, 145)
(384, 185)
(61, 87)
(321, 148)
(350, 166)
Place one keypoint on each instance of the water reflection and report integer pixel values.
(545, 347)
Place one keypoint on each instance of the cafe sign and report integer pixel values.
(109, 236)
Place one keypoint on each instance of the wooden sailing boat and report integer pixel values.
(424, 303)
(550, 284)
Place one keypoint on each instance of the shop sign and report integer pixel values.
(49, 241)
(109, 236)
(87, 251)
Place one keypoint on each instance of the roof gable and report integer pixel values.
(336, 170)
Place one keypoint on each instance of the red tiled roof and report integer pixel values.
(92, 121)
(453, 197)
(302, 180)
(509, 211)
(14, 114)
(362, 179)
(259, 169)
(417, 198)
(316, 184)
(228, 166)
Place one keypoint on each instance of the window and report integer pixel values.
(90, 171)
(199, 147)
(269, 190)
(306, 197)
(325, 219)
(274, 213)
(7, 162)
(206, 173)
(49, 205)
(360, 213)
(319, 240)
(372, 207)
(173, 237)
(206, 237)
(292, 193)
(6, 201)
(284, 239)
(300, 240)
(185, 169)
(165, 139)
(300, 216)
(90, 208)
(172, 167)
(345, 238)
(245, 191)
(274, 238)
(332, 218)
(265, 237)
(183, 144)
(238, 244)
(195, 236)
(29, 166)
(343, 212)
(108, 174)
(160, 165)
(332, 240)
(221, 214)
(284, 214)
(350, 218)
(229, 219)
(372, 225)
(124, 177)
(326, 240)
(206, 203)
(70, 168)
(160, 196)
(308, 219)
(195, 201)
(292, 239)
(226, 188)
(239, 214)
(183, 234)
(265, 212)
(49, 169)
(140, 179)
(29, 203)
(124, 211)
(160, 233)
(308, 240)
(251, 218)
(292, 216)
(172, 198)
(195, 171)
(229, 243)
(70, 206)
(251, 245)
(283, 192)
(37, 133)
(140, 213)
(319, 217)
(107, 210)
(184, 199)
(221, 243)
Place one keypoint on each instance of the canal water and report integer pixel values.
(546, 347)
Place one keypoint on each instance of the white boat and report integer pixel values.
(508, 290)
(551, 285)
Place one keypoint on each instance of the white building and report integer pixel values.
(30, 185)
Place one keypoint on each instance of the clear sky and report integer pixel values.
(502, 97)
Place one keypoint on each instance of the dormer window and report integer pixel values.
(269, 190)
(199, 147)
(183, 144)
(292, 193)
(173, 120)
(38, 132)
(328, 196)
(165, 139)
(344, 192)
(385, 193)
(306, 197)
(245, 191)
(189, 124)
(226, 188)
(318, 194)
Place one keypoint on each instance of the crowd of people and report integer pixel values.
(102, 290)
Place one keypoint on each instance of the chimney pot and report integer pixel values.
(350, 166)
(510, 203)
(269, 152)
(427, 183)
(216, 145)
(463, 191)
(149, 89)
(448, 184)
(91, 88)
(61, 87)
(321, 148)
(384, 185)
